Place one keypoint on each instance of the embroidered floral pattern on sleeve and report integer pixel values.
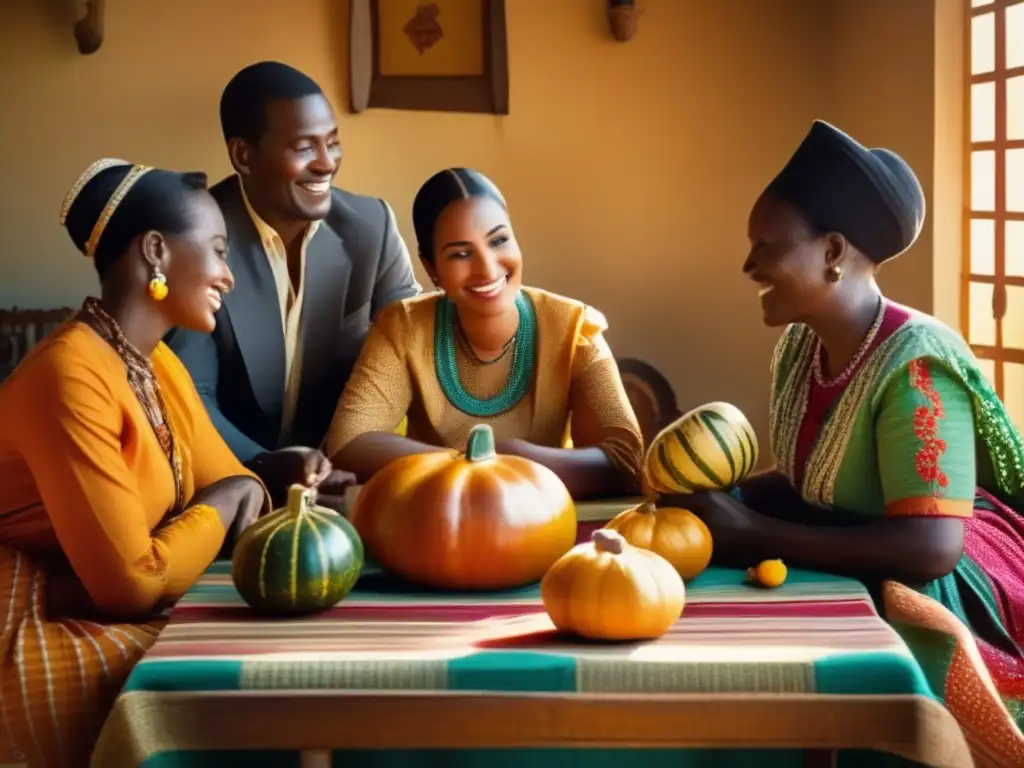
(926, 427)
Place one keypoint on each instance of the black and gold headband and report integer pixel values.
(135, 172)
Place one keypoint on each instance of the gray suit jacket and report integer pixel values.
(356, 264)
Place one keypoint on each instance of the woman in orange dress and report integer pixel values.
(116, 491)
(486, 349)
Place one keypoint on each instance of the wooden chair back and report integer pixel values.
(651, 394)
(22, 329)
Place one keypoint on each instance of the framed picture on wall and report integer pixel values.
(433, 55)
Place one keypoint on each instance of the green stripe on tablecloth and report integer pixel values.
(710, 576)
(534, 758)
(713, 576)
(512, 671)
(871, 673)
(220, 568)
(733, 577)
(374, 583)
(222, 594)
(185, 674)
(860, 673)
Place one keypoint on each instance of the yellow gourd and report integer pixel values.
(676, 534)
(607, 589)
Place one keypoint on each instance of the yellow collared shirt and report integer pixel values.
(290, 300)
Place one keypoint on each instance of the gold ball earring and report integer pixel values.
(834, 274)
(158, 285)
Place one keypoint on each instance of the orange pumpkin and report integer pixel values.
(607, 589)
(677, 535)
(476, 520)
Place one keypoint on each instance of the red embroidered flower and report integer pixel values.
(926, 426)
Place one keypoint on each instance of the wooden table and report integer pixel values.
(807, 667)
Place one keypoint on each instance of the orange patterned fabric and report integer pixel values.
(84, 489)
(58, 679)
(970, 693)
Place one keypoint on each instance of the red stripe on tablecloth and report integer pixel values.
(683, 635)
(824, 609)
(184, 614)
(827, 609)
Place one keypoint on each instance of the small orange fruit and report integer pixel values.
(768, 573)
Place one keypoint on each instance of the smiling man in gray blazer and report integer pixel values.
(312, 264)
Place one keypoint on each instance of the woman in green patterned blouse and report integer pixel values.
(895, 461)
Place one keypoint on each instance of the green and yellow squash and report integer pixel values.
(299, 559)
(712, 447)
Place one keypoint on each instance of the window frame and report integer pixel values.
(999, 280)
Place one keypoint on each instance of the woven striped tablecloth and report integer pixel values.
(218, 672)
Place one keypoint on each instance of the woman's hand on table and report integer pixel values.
(914, 550)
(587, 472)
(513, 446)
(289, 466)
(736, 531)
(330, 492)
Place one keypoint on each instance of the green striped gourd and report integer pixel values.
(299, 559)
(712, 447)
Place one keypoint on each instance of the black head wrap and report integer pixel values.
(871, 196)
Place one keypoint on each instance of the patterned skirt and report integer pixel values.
(58, 676)
(967, 632)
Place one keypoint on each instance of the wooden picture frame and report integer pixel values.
(395, 65)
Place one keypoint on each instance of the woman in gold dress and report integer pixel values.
(116, 492)
(487, 349)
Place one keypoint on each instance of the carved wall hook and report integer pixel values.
(89, 28)
(622, 18)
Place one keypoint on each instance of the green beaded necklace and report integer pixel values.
(520, 377)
